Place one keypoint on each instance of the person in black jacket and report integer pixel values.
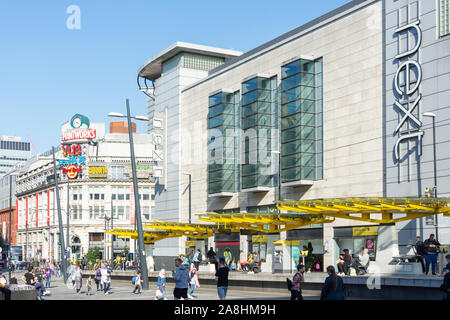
(446, 286)
(347, 261)
(420, 252)
(431, 246)
(333, 288)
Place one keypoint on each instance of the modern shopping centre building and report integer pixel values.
(336, 106)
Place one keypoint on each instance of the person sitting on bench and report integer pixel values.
(362, 262)
(245, 266)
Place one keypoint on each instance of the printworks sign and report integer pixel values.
(407, 80)
(80, 130)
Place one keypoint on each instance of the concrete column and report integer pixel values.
(328, 245)
(267, 266)
(149, 257)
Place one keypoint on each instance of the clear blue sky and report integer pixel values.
(48, 72)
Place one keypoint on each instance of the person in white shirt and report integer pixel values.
(105, 278)
(364, 257)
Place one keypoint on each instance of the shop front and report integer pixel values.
(228, 246)
(355, 239)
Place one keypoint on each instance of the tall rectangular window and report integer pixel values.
(444, 21)
(222, 143)
(301, 121)
(257, 118)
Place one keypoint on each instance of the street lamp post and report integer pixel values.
(10, 227)
(61, 230)
(137, 206)
(190, 195)
(68, 221)
(112, 236)
(433, 116)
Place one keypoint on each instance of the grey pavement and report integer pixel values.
(122, 290)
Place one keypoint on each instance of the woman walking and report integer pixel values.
(333, 288)
(297, 281)
(162, 284)
(222, 279)
(48, 277)
(193, 282)
(78, 276)
(98, 278)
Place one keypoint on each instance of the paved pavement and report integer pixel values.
(122, 290)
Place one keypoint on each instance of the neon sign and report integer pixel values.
(73, 160)
(79, 134)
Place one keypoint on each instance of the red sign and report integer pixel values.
(72, 171)
(72, 150)
(79, 134)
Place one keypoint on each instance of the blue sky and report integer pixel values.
(48, 72)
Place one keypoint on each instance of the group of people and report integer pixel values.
(188, 280)
(426, 252)
(346, 262)
(253, 260)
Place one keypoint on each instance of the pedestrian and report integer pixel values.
(309, 257)
(181, 278)
(297, 281)
(161, 284)
(222, 278)
(193, 282)
(98, 278)
(48, 277)
(420, 252)
(197, 259)
(89, 285)
(78, 276)
(137, 283)
(106, 279)
(4, 288)
(431, 247)
(211, 255)
(333, 288)
(446, 283)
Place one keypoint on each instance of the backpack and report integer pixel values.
(133, 280)
(289, 283)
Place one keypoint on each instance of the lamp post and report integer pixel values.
(10, 227)
(137, 206)
(433, 116)
(61, 230)
(112, 236)
(190, 195)
(68, 219)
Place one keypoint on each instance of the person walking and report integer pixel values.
(98, 278)
(78, 276)
(137, 283)
(48, 277)
(181, 278)
(89, 286)
(222, 279)
(106, 279)
(193, 282)
(197, 259)
(431, 247)
(446, 283)
(161, 284)
(297, 281)
(333, 288)
(420, 252)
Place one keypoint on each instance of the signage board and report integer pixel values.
(72, 171)
(79, 129)
(98, 172)
(190, 243)
(365, 231)
(143, 171)
(261, 238)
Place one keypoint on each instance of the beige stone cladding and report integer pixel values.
(351, 48)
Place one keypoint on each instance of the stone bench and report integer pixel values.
(21, 292)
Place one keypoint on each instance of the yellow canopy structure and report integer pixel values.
(375, 210)
(178, 229)
(149, 236)
(263, 222)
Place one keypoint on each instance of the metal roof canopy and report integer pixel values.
(149, 236)
(178, 229)
(263, 222)
(375, 210)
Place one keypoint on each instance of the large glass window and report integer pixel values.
(301, 121)
(444, 10)
(257, 121)
(222, 142)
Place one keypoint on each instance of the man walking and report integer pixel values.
(106, 279)
(181, 278)
(431, 246)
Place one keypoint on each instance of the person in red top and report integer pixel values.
(297, 281)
